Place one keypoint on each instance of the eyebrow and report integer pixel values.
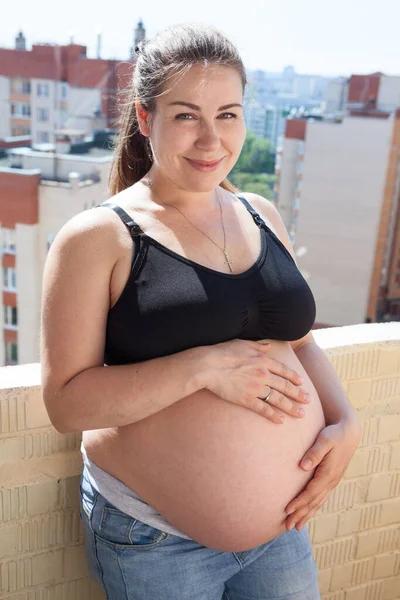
(195, 107)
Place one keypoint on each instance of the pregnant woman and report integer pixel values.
(176, 336)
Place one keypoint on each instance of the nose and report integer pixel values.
(208, 138)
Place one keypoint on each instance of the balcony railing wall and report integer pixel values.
(355, 535)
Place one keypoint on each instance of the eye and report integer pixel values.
(228, 116)
(182, 116)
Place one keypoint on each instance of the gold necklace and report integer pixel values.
(227, 261)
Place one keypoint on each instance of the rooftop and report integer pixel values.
(54, 168)
(93, 155)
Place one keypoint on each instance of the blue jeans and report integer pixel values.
(134, 561)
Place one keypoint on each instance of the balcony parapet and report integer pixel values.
(355, 535)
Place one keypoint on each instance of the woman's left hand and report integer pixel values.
(330, 456)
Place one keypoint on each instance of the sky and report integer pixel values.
(340, 37)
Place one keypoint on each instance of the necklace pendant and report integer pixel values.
(228, 262)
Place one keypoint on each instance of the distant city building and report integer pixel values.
(255, 117)
(40, 192)
(271, 96)
(140, 36)
(336, 93)
(275, 123)
(50, 87)
(338, 195)
(20, 42)
(65, 106)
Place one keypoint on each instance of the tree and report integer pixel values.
(257, 183)
(254, 170)
(257, 156)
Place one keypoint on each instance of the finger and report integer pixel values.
(315, 488)
(263, 342)
(279, 368)
(259, 346)
(302, 512)
(316, 453)
(288, 389)
(265, 410)
(300, 524)
(296, 517)
(285, 405)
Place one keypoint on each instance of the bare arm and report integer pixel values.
(102, 397)
(79, 392)
(335, 403)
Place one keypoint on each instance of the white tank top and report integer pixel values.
(124, 498)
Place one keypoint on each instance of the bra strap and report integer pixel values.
(136, 230)
(256, 217)
(129, 222)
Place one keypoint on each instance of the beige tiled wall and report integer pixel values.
(41, 545)
(356, 535)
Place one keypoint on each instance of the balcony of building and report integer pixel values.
(356, 535)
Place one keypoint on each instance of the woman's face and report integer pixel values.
(211, 129)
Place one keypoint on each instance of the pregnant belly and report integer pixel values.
(218, 472)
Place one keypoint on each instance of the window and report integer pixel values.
(20, 109)
(9, 279)
(10, 316)
(64, 91)
(43, 114)
(21, 86)
(42, 90)
(9, 244)
(11, 352)
(20, 130)
(43, 137)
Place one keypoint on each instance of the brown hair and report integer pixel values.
(171, 52)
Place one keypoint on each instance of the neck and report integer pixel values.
(164, 190)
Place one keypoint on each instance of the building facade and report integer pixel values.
(338, 194)
(51, 87)
(34, 205)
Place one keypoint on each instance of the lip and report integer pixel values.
(203, 165)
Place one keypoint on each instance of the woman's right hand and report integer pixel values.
(244, 374)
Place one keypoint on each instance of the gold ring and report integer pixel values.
(268, 395)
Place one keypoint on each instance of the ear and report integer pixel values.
(143, 119)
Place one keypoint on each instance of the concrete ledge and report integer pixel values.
(354, 335)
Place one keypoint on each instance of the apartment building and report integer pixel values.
(338, 194)
(52, 97)
(38, 195)
(51, 87)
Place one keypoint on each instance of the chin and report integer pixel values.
(205, 184)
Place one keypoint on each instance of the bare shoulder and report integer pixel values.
(97, 229)
(271, 216)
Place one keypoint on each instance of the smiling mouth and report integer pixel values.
(205, 163)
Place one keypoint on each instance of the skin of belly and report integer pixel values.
(220, 473)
